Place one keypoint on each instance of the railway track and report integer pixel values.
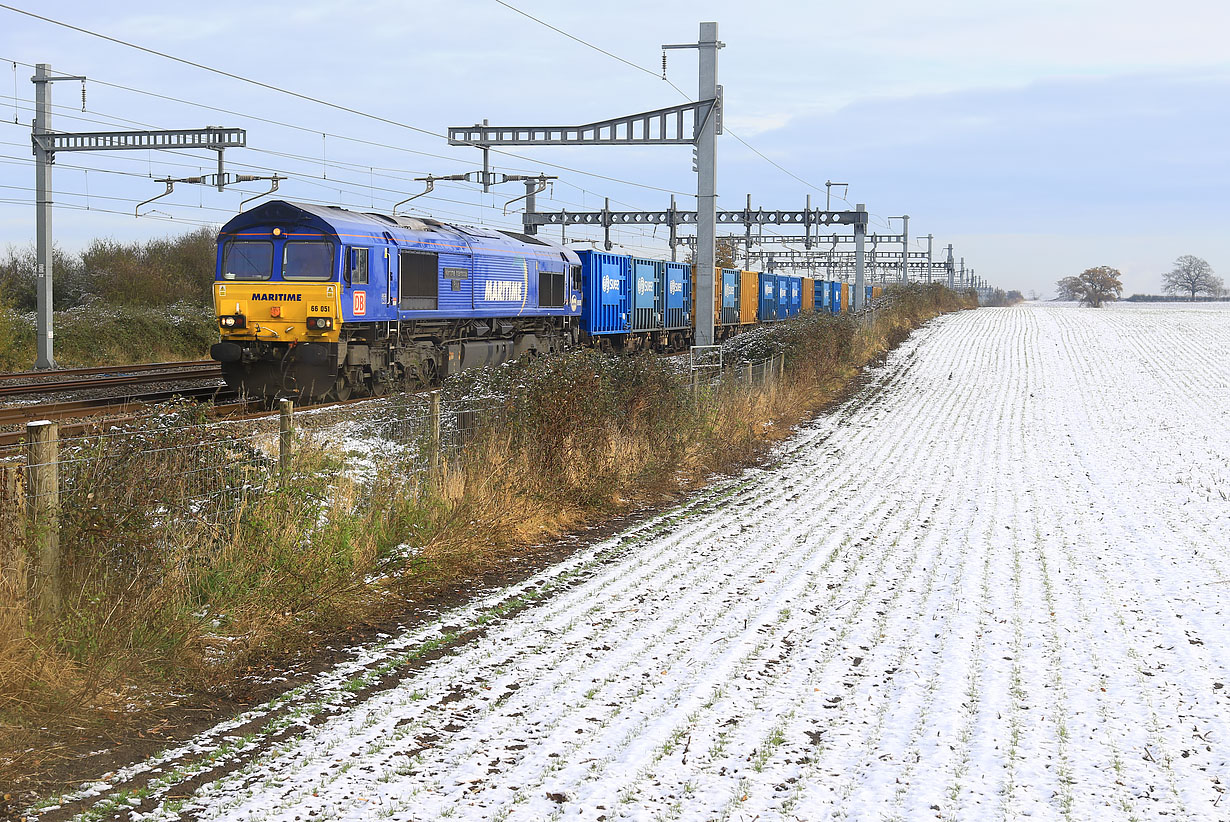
(88, 414)
(37, 382)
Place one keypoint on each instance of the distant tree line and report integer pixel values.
(152, 273)
(999, 298)
(1170, 298)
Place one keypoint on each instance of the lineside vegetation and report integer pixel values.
(115, 302)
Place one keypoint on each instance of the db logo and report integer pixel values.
(360, 303)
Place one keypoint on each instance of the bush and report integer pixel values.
(154, 273)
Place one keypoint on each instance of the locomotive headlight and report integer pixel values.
(229, 322)
(319, 323)
(233, 321)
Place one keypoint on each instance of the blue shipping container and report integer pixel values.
(730, 297)
(678, 285)
(782, 289)
(647, 286)
(606, 282)
(767, 312)
(822, 295)
(868, 293)
(796, 295)
(835, 297)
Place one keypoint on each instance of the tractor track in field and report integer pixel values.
(990, 585)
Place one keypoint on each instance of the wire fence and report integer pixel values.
(141, 488)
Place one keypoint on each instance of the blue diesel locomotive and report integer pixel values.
(321, 302)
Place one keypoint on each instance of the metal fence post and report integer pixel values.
(43, 484)
(286, 433)
(749, 375)
(435, 430)
(781, 366)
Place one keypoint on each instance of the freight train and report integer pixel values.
(320, 302)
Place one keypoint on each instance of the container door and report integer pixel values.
(676, 295)
(730, 296)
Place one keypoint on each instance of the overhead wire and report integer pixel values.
(310, 98)
(299, 95)
(304, 158)
(654, 74)
(358, 187)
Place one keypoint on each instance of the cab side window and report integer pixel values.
(357, 262)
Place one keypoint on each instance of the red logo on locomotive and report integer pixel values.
(360, 303)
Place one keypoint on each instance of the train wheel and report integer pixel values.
(379, 386)
(342, 389)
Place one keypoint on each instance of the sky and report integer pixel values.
(1039, 138)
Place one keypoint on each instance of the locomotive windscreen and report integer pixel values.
(307, 260)
(247, 260)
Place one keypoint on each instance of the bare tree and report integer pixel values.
(1092, 287)
(724, 253)
(1191, 276)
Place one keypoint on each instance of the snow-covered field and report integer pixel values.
(994, 585)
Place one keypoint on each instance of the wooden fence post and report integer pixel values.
(749, 376)
(286, 433)
(781, 366)
(435, 431)
(43, 510)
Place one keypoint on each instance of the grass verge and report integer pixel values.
(102, 334)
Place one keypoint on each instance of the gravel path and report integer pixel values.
(993, 585)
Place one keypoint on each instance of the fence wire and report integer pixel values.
(175, 470)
